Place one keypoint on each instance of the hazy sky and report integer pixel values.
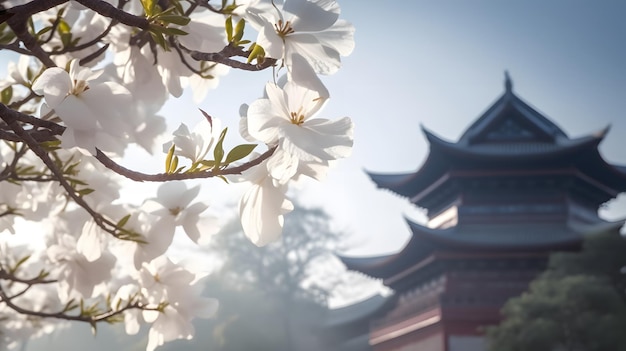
(441, 64)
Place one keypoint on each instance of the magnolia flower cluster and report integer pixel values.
(91, 255)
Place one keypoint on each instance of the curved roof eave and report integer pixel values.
(447, 238)
(365, 264)
(613, 175)
(357, 311)
(406, 184)
(562, 148)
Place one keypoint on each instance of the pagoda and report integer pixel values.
(510, 191)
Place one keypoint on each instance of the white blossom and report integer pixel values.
(164, 281)
(174, 208)
(311, 28)
(263, 206)
(75, 272)
(197, 144)
(93, 113)
(287, 119)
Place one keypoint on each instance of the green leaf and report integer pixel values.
(63, 27)
(122, 222)
(229, 28)
(157, 29)
(43, 31)
(149, 6)
(239, 152)
(83, 192)
(207, 164)
(175, 164)
(174, 31)
(168, 11)
(218, 152)
(6, 95)
(19, 263)
(256, 52)
(175, 19)
(239, 30)
(66, 39)
(177, 5)
(168, 159)
(160, 40)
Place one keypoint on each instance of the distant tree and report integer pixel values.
(269, 297)
(578, 304)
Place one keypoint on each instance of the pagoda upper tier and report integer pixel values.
(510, 143)
(513, 184)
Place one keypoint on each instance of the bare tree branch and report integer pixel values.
(164, 177)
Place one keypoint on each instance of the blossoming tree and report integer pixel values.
(88, 79)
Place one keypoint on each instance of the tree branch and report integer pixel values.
(11, 119)
(224, 57)
(92, 319)
(164, 177)
(110, 11)
(18, 23)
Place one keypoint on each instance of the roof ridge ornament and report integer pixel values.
(508, 84)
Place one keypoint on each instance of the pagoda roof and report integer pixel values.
(494, 238)
(510, 134)
(515, 150)
(510, 118)
(357, 311)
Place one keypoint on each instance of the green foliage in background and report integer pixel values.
(578, 304)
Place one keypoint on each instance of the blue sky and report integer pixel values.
(441, 64)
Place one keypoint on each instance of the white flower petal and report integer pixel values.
(312, 16)
(54, 84)
(261, 210)
(76, 114)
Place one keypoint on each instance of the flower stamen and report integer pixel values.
(175, 211)
(297, 118)
(283, 28)
(79, 87)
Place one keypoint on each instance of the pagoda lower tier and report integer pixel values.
(459, 294)
(451, 283)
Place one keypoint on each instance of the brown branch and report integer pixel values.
(224, 57)
(79, 318)
(15, 47)
(165, 177)
(17, 104)
(37, 280)
(11, 120)
(93, 56)
(85, 45)
(20, 30)
(18, 23)
(55, 129)
(110, 11)
(38, 135)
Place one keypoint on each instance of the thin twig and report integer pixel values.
(11, 120)
(164, 177)
(224, 57)
(80, 318)
(110, 11)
